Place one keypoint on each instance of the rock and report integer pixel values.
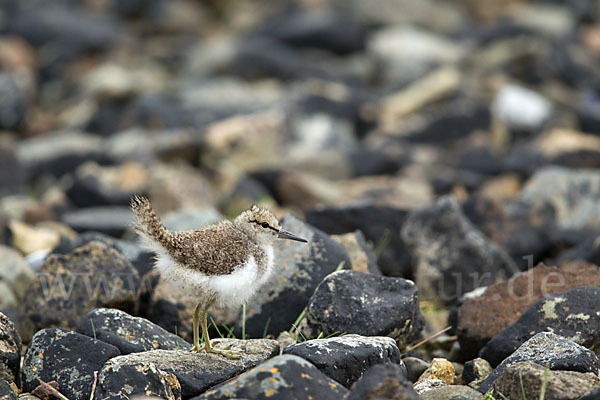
(380, 224)
(560, 385)
(573, 193)
(553, 20)
(406, 52)
(95, 186)
(301, 267)
(66, 357)
(345, 358)
(593, 395)
(58, 153)
(386, 381)
(365, 304)
(28, 239)
(454, 392)
(127, 333)
(15, 272)
(452, 257)
(71, 285)
(118, 381)
(546, 348)
(427, 385)
(15, 101)
(453, 121)
(110, 220)
(282, 377)
(475, 371)
(6, 391)
(12, 173)
(260, 57)
(10, 351)
(475, 325)
(525, 231)
(362, 256)
(440, 369)
(192, 218)
(335, 32)
(521, 108)
(571, 314)
(197, 372)
(415, 367)
(588, 250)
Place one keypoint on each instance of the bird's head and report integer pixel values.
(261, 225)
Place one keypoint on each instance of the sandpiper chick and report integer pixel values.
(224, 263)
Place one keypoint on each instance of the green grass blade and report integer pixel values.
(545, 382)
(266, 327)
(522, 387)
(244, 321)
(93, 328)
(216, 327)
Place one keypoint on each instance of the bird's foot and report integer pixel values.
(225, 352)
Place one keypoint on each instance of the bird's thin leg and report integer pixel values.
(196, 346)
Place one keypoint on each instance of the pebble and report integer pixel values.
(440, 369)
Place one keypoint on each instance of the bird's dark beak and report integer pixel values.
(283, 234)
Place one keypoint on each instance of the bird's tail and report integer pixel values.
(148, 223)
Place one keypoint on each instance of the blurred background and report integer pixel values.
(347, 113)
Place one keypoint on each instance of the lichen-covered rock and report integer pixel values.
(6, 391)
(345, 358)
(117, 381)
(546, 348)
(572, 314)
(387, 381)
(365, 304)
(475, 371)
(299, 268)
(10, 350)
(15, 272)
(285, 377)
(127, 333)
(69, 358)
(197, 372)
(426, 385)
(560, 385)
(451, 256)
(69, 286)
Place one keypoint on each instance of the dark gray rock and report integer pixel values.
(593, 395)
(453, 121)
(300, 268)
(560, 385)
(546, 348)
(15, 102)
(361, 253)
(127, 333)
(88, 191)
(197, 372)
(6, 391)
(10, 351)
(345, 358)
(383, 381)
(67, 357)
(337, 33)
(69, 286)
(365, 304)
(58, 153)
(380, 224)
(110, 220)
(588, 250)
(415, 367)
(260, 57)
(12, 173)
(284, 377)
(451, 256)
(571, 314)
(125, 381)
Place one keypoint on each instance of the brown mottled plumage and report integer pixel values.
(225, 262)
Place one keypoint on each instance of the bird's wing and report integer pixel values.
(217, 250)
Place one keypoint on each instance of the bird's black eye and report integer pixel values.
(264, 225)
